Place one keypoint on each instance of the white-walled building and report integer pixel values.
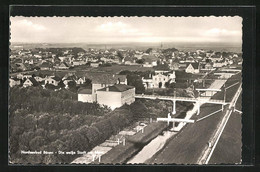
(116, 95)
(52, 80)
(159, 80)
(192, 68)
(30, 82)
(85, 95)
(14, 81)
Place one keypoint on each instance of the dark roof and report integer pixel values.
(64, 64)
(72, 77)
(149, 58)
(33, 81)
(15, 79)
(45, 64)
(105, 78)
(195, 65)
(175, 60)
(85, 91)
(56, 78)
(162, 67)
(117, 88)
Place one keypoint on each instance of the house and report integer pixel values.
(67, 79)
(192, 68)
(129, 60)
(14, 81)
(116, 95)
(39, 78)
(148, 81)
(30, 82)
(216, 58)
(103, 80)
(219, 64)
(149, 60)
(208, 66)
(159, 80)
(62, 65)
(54, 80)
(21, 66)
(45, 66)
(94, 64)
(85, 95)
(174, 64)
(20, 76)
(80, 81)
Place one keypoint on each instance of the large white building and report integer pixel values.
(116, 95)
(109, 90)
(159, 80)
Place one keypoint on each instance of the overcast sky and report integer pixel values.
(125, 29)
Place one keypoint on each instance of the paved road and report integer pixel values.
(186, 147)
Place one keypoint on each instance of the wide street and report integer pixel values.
(189, 144)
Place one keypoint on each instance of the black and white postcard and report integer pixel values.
(132, 90)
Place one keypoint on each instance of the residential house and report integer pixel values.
(216, 58)
(85, 95)
(46, 66)
(149, 60)
(174, 64)
(159, 80)
(80, 81)
(116, 95)
(208, 66)
(62, 65)
(14, 81)
(54, 80)
(21, 66)
(39, 78)
(94, 64)
(30, 82)
(192, 68)
(219, 64)
(104, 80)
(69, 79)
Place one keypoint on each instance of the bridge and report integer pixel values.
(198, 100)
(184, 99)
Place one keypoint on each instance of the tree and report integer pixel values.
(148, 50)
(139, 109)
(120, 55)
(140, 61)
(72, 85)
(61, 84)
(136, 81)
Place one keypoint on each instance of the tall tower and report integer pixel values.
(161, 45)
